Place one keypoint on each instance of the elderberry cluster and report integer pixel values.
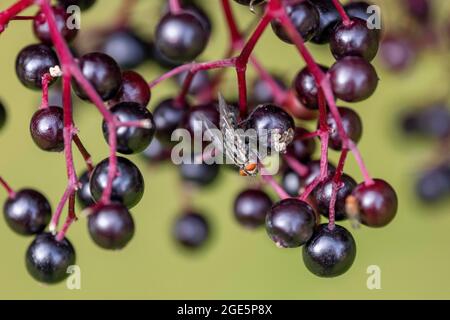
(310, 188)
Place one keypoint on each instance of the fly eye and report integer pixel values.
(250, 167)
(242, 173)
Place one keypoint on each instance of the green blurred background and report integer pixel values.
(413, 252)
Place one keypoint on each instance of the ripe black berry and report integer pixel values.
(328, 18)
(102, 72)
(355, 39)
(305, 18)
(47, 259)
(306, 88)
(83, 4)
(268, 119)
(262, 91)
(353, 79)
(361, 10)
(134, 89)
(191, 119)
(84, 195)
(301, 149)
(432, 121)
(126, 48)
(434, 184)
(33, 62)
(3, 115)
(42, 30)
(329, 253)
(168, 116)
(290, 223)
(156, 151)
(191, 230)
(352, 126)
(201, 174)
(127, 187)
(323, 192)
(47, 129)
(314, 171)
(398, 52)
(28, 212)
(111, 226)
(377, 203)
(251, 207)
(131, 139)
(200, 82)
(292, 183)
(181, 37)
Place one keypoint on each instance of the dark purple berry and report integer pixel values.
(397, 52)
(28, 212)
(3, 115)
(353, 79)
(306, 88)
(352, 126)
(354, 39)
(328, 18)
(84, 195)
(128, 185)
(262, 91)
(420, 10)
(168, 116)
(362, 10)
(191, 120)
(42, 30)
(83, 4)
(102, 72)
(251, 208)
(269, 119)
(376, 203)
(300, 148)
(201, 174)
(48, 260)
(314, 171)
(131, 139)
(292, 183)
(181, 37)
(434, 184)
(290, 223)
(33, 62)
(329, 253)
(126, 48)
(191, 230)
(47, 129)
(305, 18)
(134, 89)
(200, 82)
(323, 193)
(111, 226)
(156, 151)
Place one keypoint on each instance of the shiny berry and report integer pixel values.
(362, 10)
(33, 62)
(131, 139)
(47, 129)
(181, 37)
(314, 171)
(328, 18)
(28, 212)
(192, 119)
(84, 195)
(323, 193)
(126, 48)
(377, 203)
(127, 187)
(353, 79)
(434, 184)
(47, 259)
(269, 119)
(352, 126)
(168, 116)
(329, 253)
(134, 89)
(292, 183)
(290, 223)
(300, 148)
(201, 174)
(251, 208)
(42, 30)
(200, 82)
(398, 52)
(305, 18)
(102, 72)
(111, 226)
(354, 39)
(83, 4)
(306, 88)
(191, 230)
(157, 151)
(262, 91)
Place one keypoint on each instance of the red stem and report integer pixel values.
(9, 190)
(84, 153)
(344, 16)
(235, 35)
(19, 18)
(174, 6)
(71, 217)
(336, 184)
(9, 13)
(296, 165)
(275, 186)
(46, 78)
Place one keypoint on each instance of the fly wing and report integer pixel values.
(212, 132)
(228, 116)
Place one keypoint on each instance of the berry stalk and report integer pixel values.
(340, 9)
(6, 186)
